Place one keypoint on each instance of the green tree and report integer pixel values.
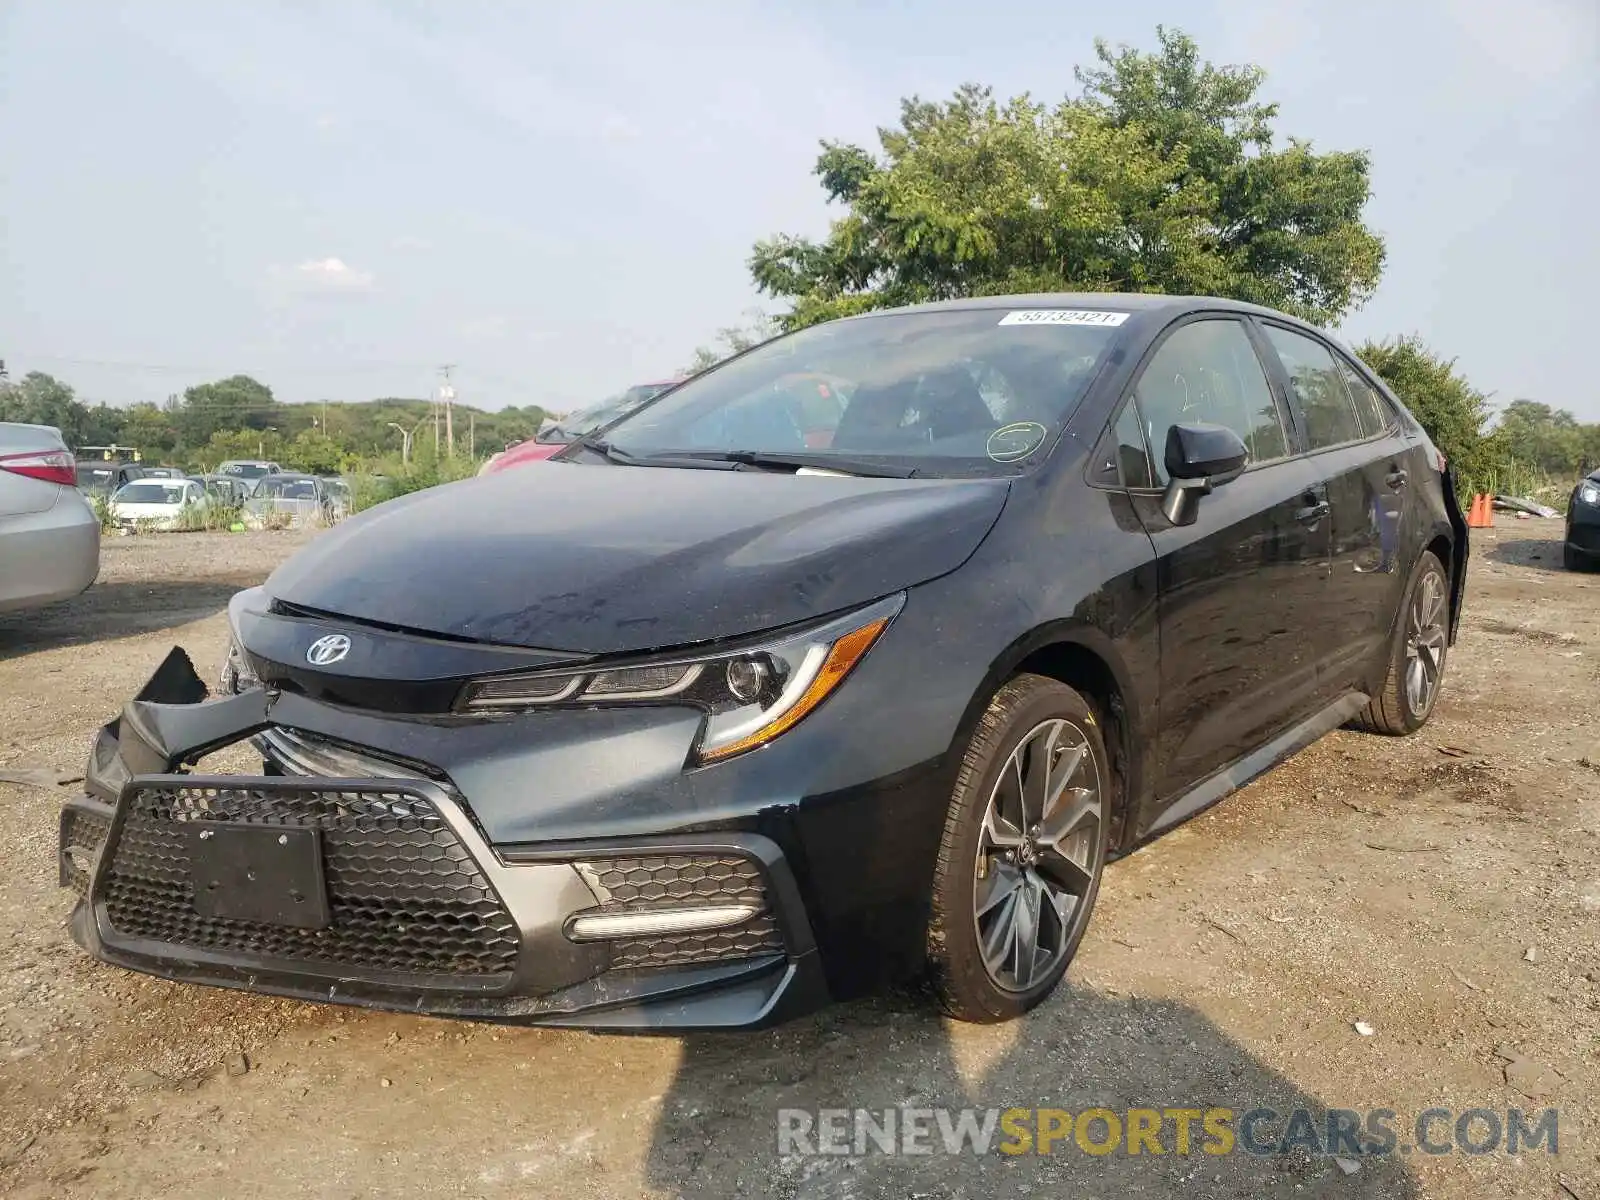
(733, 339)
(42, 399)
(238, 402)
(151, 428)
(314, 451)
(237, 443)
(1452, 411)
(1160, 176)
(1550, 438)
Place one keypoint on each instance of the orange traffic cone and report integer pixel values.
(1481, 515)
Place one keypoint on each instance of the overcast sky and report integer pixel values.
(561, 198)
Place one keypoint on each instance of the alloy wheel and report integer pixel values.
(1425, 643)
(1039, 853)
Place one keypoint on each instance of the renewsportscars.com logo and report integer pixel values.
(1262, 1131)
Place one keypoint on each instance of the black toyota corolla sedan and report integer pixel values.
(745, 703)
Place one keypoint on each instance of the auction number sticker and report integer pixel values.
(1062, 316)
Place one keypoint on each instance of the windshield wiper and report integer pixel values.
(822, 462)
(623, 459)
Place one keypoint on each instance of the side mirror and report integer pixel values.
(1199, 458)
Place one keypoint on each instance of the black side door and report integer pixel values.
(1239, 586)
(1360, 456)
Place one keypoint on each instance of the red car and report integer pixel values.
(557, 435)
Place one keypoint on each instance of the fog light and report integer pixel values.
(601, 926)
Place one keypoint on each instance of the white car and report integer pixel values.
(158, 504)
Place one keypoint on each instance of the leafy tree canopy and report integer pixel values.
(1529, 440)
(1452, 411)
(1160, 175)
(734, 339)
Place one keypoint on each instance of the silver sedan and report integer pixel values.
(49, 536)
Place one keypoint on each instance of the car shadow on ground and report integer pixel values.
(718, 1132)
(1541, 554)
(113, 610)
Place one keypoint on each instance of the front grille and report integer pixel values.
(82, 834)
(404, 895)
(646, 883)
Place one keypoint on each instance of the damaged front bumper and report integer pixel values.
(380, 889)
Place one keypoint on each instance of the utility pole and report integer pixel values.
(448, 395)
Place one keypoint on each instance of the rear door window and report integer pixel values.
(1374, 413)
(1319, 389)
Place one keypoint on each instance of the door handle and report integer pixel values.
(1397, 478)
(1313, 513)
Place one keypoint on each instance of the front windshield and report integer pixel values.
(952, 392)
(152, 493)
(278, 487)
(589, 419)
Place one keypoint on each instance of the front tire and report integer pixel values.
(1023, 850)
(1416, 660)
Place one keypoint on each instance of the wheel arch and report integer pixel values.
(1086, 660)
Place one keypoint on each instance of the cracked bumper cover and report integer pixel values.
(134, 909)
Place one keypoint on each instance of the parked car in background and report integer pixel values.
(710, 725)
(249, 469)
(157, 503)
(49, 536)
(560, 432)
(1581, 548)
(290, 499)
(100, 477)
(164, 473)
(112, 453)
(229, 490)
(340, 501)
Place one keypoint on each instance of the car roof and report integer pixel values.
(1134, 302)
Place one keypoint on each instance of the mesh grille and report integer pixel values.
(82, 835)
(404, 895)
(682, 880)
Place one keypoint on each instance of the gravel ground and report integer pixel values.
(1443, 890)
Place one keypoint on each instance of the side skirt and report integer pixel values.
(1234, 776)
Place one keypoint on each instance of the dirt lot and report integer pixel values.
(1443, 889)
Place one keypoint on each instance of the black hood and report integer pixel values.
(604, 559)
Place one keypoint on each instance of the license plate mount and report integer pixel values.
(267, 874)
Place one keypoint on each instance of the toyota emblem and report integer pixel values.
(326, 651)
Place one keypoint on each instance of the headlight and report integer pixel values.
(750, 695)
(1589, 493)
(236, 675)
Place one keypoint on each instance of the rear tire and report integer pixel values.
(1416, 660)
(1023, 850)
